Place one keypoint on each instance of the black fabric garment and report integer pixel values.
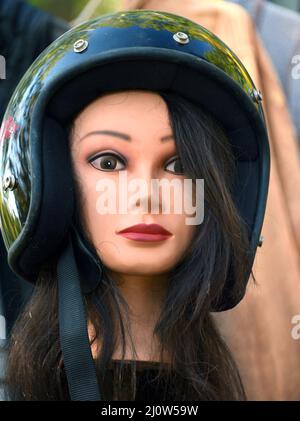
(148, 387)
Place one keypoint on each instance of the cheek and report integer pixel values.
(102, 229)
(87, 180)
(100, 226)
(183, 232)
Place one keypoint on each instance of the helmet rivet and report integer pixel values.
(256, 95)
(261, 240)
(9, 183)
(80, 45)
(181, 38)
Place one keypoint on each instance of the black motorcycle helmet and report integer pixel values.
(146, 49)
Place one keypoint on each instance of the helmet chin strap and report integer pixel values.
(74, 340)
(88, 264)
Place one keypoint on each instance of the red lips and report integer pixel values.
(145, 232)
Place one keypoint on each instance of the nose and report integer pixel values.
(148, 198)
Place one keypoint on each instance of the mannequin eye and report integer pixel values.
(107, 162)
(175, 166)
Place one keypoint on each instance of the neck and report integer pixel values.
(144, 295)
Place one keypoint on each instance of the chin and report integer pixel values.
(147, 268)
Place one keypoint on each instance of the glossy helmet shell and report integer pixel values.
(136, 49)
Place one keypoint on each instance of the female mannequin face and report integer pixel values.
(142, 117)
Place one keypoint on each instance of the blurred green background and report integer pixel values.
(70, 9)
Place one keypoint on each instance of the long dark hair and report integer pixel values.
(200, 360)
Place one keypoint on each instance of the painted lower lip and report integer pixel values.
(140, 236)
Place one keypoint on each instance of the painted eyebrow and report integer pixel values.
(122, 136)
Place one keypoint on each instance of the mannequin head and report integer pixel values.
(195, 260)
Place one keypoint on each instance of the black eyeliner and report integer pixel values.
(114, 154)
